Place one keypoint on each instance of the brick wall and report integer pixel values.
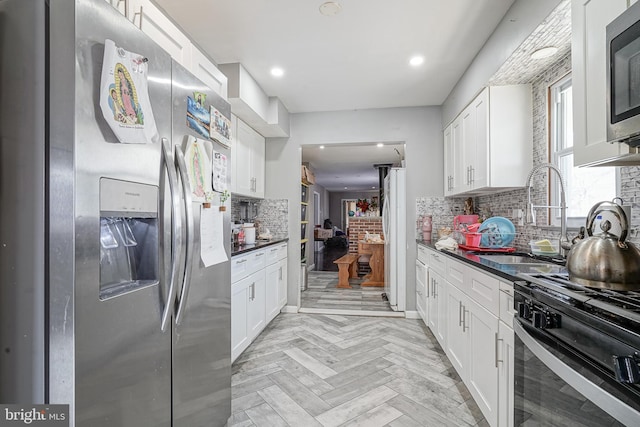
(360, 225)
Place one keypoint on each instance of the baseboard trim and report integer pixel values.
(289, 309)
(412, 315)
(342, 312)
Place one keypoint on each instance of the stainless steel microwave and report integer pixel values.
(623, 77)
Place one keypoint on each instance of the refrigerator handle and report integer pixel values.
(176, 234)
(188, 210)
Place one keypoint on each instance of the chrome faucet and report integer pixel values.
(565, 243)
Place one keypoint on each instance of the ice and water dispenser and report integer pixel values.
(129, 249)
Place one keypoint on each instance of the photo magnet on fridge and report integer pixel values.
(198, 116)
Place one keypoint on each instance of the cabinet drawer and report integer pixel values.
(455, 273)
(437, 261)
(275, 253)
(483, 289)
(423, 254)
(507, 310)
(247, 264)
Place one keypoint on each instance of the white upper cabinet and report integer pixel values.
(490, 146)
(120, 6)
(206, 71)
(146, 16)
(247, 160)
(589, 19)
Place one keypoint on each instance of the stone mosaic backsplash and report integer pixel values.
(272, 214)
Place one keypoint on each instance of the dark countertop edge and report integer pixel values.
(473, 260)
(243, 249)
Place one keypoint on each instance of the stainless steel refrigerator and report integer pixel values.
(105, 303)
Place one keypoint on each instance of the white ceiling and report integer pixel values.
(350, 165)
(356, 59)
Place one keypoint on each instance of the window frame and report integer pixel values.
(555, 154)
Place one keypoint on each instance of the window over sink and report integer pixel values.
(584, 186)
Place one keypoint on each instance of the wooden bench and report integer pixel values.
(347, 268)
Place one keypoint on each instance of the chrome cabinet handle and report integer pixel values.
(242, 261)
(497, 340)
(464, 319)
(140, 15)
(176, 232)
(280, 273)
(473, 174)
(188, 210)
(260, 254)
(460, 313)
(253, 291)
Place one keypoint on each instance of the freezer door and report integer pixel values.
(202, 327)
(121, 356)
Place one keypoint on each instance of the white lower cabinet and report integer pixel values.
(482, 374)
(457, 347)
(258, 292)
(466, 311)
(240, 295)
(282, 284)
(506, 362)
(436, 309)
(422, 278)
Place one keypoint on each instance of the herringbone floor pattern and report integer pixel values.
(328, 370)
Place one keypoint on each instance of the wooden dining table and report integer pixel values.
(376, 262)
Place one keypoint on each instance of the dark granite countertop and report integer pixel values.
(242, 249)
(499, 265)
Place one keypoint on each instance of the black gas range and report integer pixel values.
(577, 357)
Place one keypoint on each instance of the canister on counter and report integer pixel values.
(426, 228)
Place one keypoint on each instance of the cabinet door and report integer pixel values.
(256, 309)
(436, 306)
(482, 369)
(468, 124)
(458, 180)
(241, 159)
(239, 326)
(206, 71)
(120, 6)
(457, 334)
(479, 173)
(282, 284)
(258, 149)
(505, 375)
(589, 19)
(146, 16)
(421, 289)
(448, 160)
(272, 283)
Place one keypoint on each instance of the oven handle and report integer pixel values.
(604, 400)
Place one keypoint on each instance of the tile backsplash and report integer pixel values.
(272, 214)
(501, 204)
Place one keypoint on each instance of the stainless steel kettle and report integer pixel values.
(605, 261)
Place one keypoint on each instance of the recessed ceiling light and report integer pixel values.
(416, 60)
(346, 188)
(544, 52)
(277, 72)
(379, 144)
(322, 147)
(330, 8)
(373, 187)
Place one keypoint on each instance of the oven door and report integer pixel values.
(556, 387)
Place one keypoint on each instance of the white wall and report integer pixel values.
(520, 20)
(420, 128)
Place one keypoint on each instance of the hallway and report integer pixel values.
(329, 370)
(322, 295)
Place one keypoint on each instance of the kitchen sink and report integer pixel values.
(523, 260)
